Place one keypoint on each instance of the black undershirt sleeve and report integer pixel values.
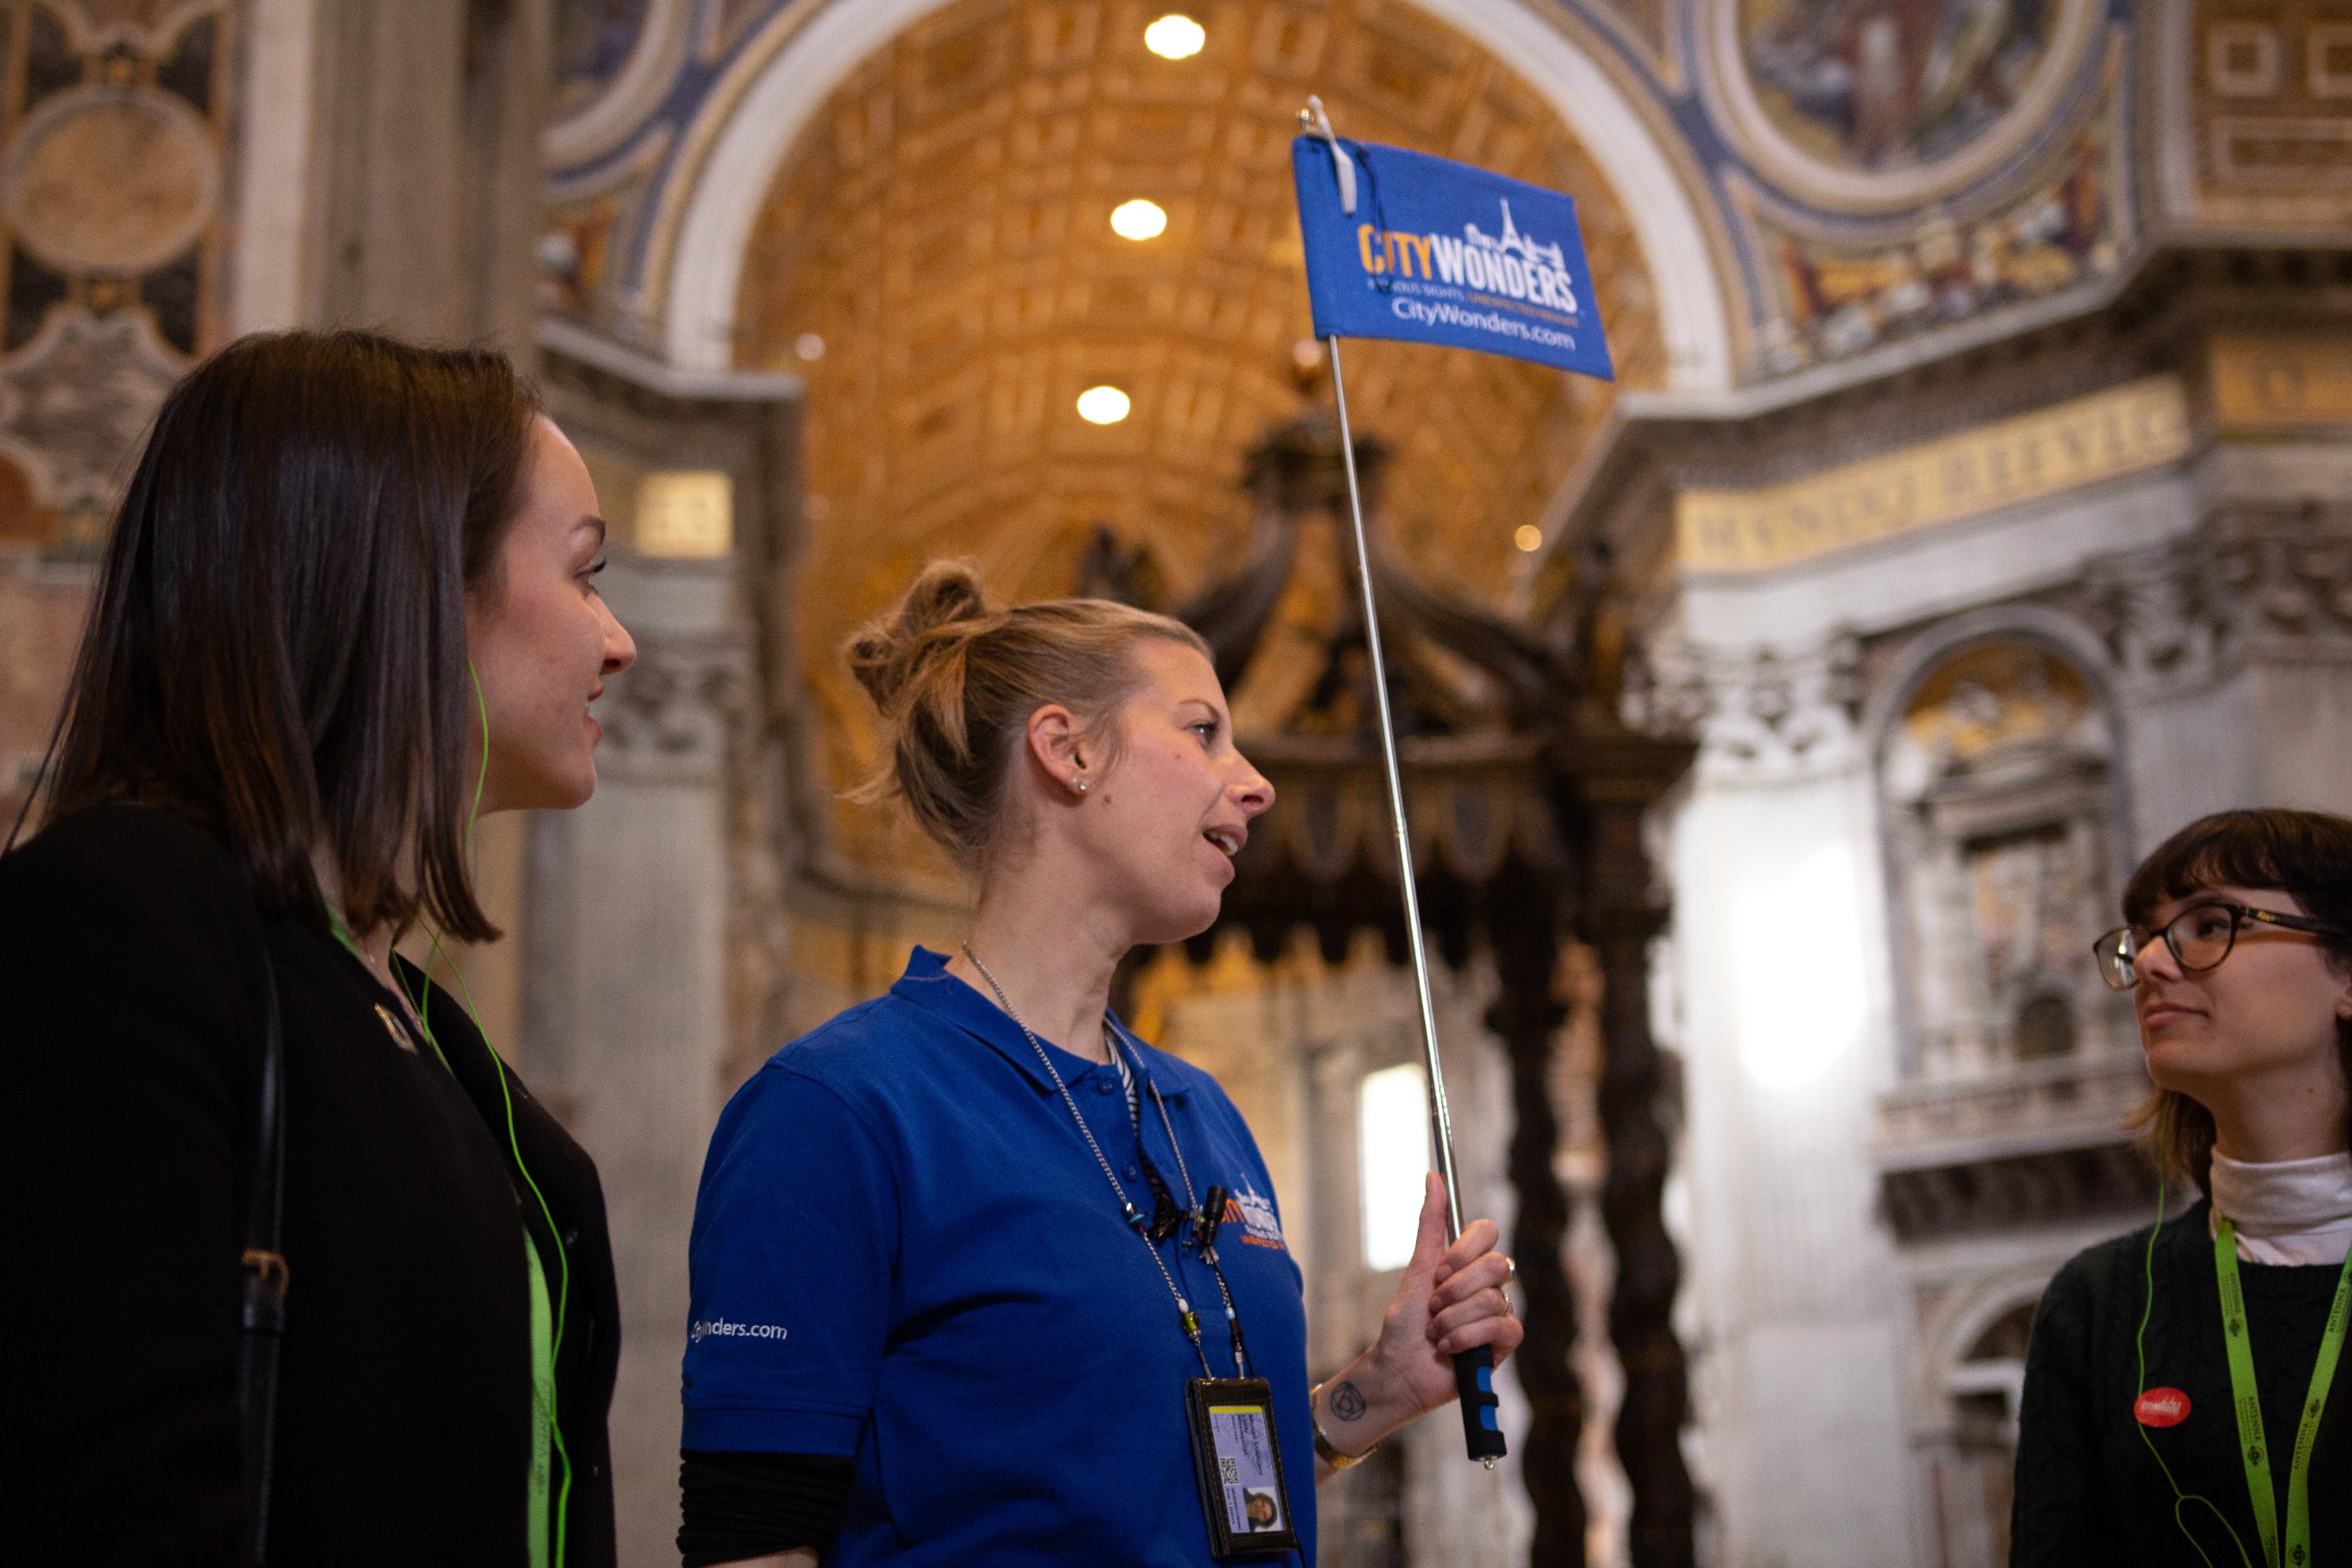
(750, 1505)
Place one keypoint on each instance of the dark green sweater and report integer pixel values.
(2088, 1491)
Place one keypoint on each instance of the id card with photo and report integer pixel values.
(1239, 1463)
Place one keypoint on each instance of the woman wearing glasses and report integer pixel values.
(2179, 1402)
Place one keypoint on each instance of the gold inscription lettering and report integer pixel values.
(2279, 384)
(2123, 430)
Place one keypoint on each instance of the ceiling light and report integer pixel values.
(1174, 38)
(1102, 405)
(1139, 219)
(1528, 538)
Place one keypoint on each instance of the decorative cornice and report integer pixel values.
(1761, 715)
(667, 717)
(2011, 1109)
(1936, 1203)
(2145, 319)
(2259, 582)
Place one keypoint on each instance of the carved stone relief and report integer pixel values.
(95, 23)
(1762, 715)
(74, 400)
(667, 718)
(2257, 582)
(111, 239)
(2003, 829)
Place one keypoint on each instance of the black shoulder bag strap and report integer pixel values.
(264, 1317)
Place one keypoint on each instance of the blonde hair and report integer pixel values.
(956, 682)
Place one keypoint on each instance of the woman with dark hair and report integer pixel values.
(2181, 1405)
(300, 1270)
(979, 1277)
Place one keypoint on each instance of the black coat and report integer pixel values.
(130, 978)
(2089, 1490)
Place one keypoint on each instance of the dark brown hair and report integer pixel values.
(2308, 855)
(277, 647)
(957, 681)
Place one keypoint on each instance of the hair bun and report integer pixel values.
(958, 682)
(891, 649)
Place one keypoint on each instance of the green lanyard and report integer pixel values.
(542, 1403)
(2252, 1443)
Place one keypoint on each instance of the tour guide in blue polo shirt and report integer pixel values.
(978, 1277)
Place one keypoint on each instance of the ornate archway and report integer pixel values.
(932, 256)
(935, 259)
(701, 234)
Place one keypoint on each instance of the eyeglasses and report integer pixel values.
(2199, 938)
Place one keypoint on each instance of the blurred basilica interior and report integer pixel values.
(1973, 508)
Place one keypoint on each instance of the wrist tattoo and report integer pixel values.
(1347, 1402)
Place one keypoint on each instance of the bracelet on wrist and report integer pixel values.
(1325, 1449)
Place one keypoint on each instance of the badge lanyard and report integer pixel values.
(2251, 1444)
(1186, 1318)
(1236, 1457)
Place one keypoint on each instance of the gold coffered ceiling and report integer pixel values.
(943, 228)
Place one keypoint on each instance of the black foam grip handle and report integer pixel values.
(1482, 1425)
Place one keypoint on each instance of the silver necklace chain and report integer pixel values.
(1185, 1316)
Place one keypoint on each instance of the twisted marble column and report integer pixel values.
(1620, 921)
(1527, 1017)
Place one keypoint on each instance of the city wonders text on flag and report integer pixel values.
(1439, 252)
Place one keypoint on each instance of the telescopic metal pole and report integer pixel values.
(1441, 1125)
(1474, 1370)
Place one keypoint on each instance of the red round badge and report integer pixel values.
(2161, 1407)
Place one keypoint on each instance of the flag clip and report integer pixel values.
(1315, 122)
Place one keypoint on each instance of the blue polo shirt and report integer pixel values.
(904, 1251)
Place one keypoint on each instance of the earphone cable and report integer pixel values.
(424, 1003)
(2180, 1500)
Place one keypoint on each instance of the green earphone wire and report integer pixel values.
(2180, 1500)
(562, 1257)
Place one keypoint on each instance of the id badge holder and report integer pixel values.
(1238, 1461)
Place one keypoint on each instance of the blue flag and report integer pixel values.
(1438, 252)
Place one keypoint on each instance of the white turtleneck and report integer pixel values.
(2294, 1211)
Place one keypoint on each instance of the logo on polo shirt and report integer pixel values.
(719, 1328)
(1254, 1214)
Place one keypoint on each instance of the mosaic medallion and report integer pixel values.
(111, 180)
(1860, 104)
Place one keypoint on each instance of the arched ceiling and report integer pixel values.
(942, 228)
